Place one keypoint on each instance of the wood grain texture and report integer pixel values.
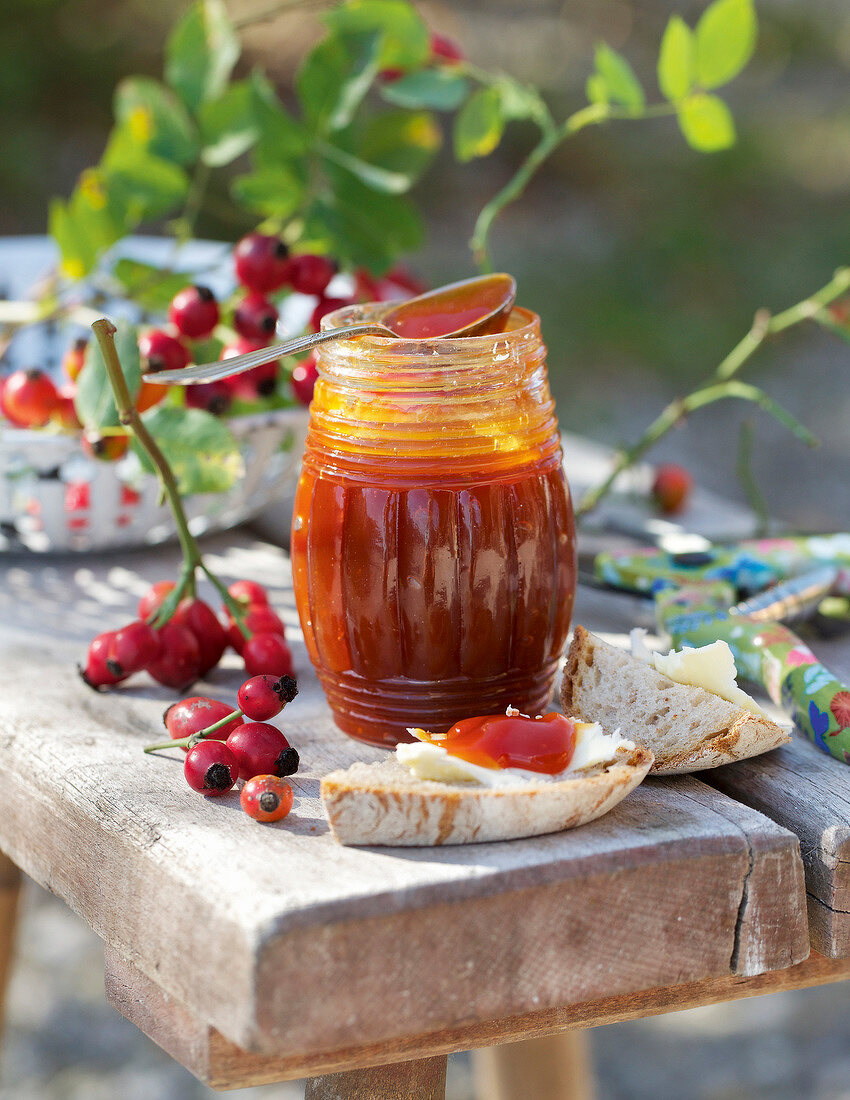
(10, 887)
(220, 1063)
(809, 793)
(318, 946)
(557, 1066)
(421, 1079)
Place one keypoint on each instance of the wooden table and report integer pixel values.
(256, 954)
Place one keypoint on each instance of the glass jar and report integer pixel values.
(433, 542)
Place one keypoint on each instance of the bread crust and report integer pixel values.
(690, 729)
(384, 804)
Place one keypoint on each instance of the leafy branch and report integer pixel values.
(722, 383)
(335, 177)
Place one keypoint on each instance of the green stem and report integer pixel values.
(232, 605)
(721, 385)
(104, 330)
(550, 139)
(676, 411)
(201, 735)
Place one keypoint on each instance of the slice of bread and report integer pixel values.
(385, 804)
(686, 728)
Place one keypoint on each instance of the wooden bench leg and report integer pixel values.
(421, 1079)
(556, 1066)
(10, 886)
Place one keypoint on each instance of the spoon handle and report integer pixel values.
(223, 368)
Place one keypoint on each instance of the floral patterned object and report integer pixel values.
(770, 654)
(693, 594)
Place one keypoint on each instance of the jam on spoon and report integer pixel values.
(469, 308)
(512, 740)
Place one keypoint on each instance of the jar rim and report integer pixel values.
(525, 325)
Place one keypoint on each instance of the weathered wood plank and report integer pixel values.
(420, 1079)
(223, 1065)
(809, 793)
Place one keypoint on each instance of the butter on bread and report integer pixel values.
(687, 728)
(384, 804)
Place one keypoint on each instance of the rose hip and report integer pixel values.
(262, 262)
(259, 619)
(133, 648)
(266, 798)
(194, 312)
(211, 768)
(311, 274)
(210, 635)
(179, 663)
(255, 318)
(267, 653)
(153, 599)
(97, 673)
(248, 592)
(303, 380)
(196, 713)
(262, 749)
(262, 697)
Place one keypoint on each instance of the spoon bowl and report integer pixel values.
(472, 307)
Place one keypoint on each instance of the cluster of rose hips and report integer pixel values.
(191, 642)
(264, 269)
(221, 747)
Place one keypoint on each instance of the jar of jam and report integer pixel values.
(433, 543)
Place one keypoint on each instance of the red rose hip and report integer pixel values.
(211, 768)
(267, 653)
(262, 697)
(262, 749)
(194, 312)
(266, 798)
(262, 262)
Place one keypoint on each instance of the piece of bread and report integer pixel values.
(386, 804)
(686, 728)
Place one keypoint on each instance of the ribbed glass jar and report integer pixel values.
(433, 544)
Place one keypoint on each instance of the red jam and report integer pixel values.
(433, 544)
(468, 303)
(542, 744)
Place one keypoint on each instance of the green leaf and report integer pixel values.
(676, 60)
(334, 78)
(156, 118)
(479, 126)
(707, 123)
(621, 84)
(596, 88)
(379, 179)
(94, 401)
(725, 40)
(280, 138)
(404, 37)
(361, 227)
(228, 124)
(519, 101)
(149, 286)
(199, 447)
(273, 192)
(86, 225)
(201, 52)
(141, 184)
(401, 142)
(439, 89)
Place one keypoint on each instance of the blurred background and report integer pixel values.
(647, 262)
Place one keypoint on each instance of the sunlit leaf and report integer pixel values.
(199, 447)
(228, 124)
(273, 191)
(200, 53)
(676, 60)
(439, 89)
(151, 287)
(156, 118)
(707, 123)
(621, 84)
(334, 78)
(404, 37)
(479, 126)
(725, 41)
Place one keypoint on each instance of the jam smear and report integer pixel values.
(542, 744)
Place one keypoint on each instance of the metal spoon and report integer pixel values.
(460, 303)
